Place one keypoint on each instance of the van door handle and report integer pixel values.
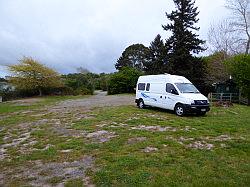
(165, 97)
(160, 96)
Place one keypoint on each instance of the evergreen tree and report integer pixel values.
(183, 42)
(135, 56)
(157, 56)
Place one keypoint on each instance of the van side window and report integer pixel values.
(171, 89)
(148, 87)
(141, 86)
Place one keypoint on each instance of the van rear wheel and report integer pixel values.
(141, 104)
(179, 110)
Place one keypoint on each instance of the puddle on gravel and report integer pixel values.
(2, 153)
(136, 140)
(16, 142)
(101, 136)
(200, 145)
(162, 129)
(154, 128)
(150, 149)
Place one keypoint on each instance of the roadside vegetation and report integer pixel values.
(31, 78)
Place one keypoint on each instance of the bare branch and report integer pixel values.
(240, 20)
(221, 37)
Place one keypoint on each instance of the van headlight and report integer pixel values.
(192, 102)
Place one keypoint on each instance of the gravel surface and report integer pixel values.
(100, 99)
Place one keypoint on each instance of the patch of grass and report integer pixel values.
(74, 183)
(2, 134)
(39, 133)
(92, 146)
(49, 154)
(55, 180)
(9, 107)
(75, 144)
(18, 182)
(87, 124)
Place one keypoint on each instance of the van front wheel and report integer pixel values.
(141, 104)
(179, 110)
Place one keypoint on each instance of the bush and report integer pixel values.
(80, 84)
(239, 67)
(104, 81)
(123, 81)
(9, 94)
(101, 81)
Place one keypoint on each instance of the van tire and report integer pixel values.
(141, 104)
(179, 110)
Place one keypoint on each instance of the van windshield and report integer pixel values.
(187, 88)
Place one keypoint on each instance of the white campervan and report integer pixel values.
(170, 92)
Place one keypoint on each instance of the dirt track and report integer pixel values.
(101, 99)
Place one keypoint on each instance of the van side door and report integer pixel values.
(171, 97)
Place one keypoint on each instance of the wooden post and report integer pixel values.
(231, 97)
(1, 99)
(209, 97)
(239, 96)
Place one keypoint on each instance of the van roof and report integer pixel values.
(163, 77)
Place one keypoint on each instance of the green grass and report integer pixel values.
(119, 163)
(173, 164)
(74, 183)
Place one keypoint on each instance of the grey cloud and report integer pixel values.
(89, 33)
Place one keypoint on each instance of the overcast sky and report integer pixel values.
(66, 34)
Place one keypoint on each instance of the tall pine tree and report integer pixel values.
(157, 57)
(183, 43)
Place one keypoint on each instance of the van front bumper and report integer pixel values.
(197, 108)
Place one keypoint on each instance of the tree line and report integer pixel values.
(31, 78)
(174, 55)
(177, 54)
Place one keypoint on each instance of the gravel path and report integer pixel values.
(100, 99)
